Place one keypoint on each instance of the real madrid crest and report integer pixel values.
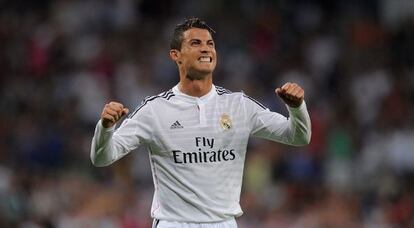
(225, 121)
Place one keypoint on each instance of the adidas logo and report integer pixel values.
(176, 125)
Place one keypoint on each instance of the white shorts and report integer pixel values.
(231, 223)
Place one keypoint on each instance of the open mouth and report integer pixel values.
(205, 59)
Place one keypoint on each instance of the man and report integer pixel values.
(197, 134)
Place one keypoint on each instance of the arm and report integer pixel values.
(108, 144)
(295, 130)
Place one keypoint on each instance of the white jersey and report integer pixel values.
(197, 148)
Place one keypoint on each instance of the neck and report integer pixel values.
(196, 88)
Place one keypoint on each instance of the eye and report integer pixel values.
(195, 42)
(211, 44)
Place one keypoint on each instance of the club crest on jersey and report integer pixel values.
(225, 121)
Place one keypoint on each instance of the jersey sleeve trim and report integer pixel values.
(166, 95)
(220, 90)
(255, 101)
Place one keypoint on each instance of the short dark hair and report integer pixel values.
(179, 29)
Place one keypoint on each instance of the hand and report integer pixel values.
(292, 94)
(111, 113)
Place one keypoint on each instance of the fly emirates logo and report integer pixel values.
(204, 153)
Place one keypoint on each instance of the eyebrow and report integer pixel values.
(196, 39)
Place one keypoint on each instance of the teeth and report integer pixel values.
(204, 59)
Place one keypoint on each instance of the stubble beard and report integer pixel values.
(194, 74)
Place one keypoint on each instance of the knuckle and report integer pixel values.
(114, 104)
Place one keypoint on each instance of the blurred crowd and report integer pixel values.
(60, 61)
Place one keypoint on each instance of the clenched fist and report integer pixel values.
(111, 113)
(292, 94)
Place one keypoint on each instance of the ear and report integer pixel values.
(175, 55)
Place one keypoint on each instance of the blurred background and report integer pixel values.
(60, 61)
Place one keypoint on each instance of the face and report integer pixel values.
(197, 56)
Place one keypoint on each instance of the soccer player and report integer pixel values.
(197, 134)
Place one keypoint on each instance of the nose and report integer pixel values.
(205, 48)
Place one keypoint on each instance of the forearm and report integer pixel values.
(294, 130)
(299, 126)
(102, 151)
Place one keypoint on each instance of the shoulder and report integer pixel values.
(240, 96)
(251, 101)
(221, 91)
(151, 100)
(166, 95)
